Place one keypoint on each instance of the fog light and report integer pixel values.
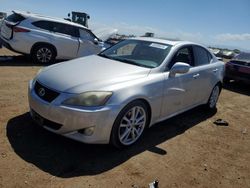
(87, 131)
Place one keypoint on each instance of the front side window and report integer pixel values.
(138, 52)
(202, 57)
(86, 35)
(184, 55)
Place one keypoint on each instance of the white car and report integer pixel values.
(46, 38)
(113, 96)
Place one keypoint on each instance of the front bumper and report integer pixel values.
(70, 120)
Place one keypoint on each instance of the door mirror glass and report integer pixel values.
(179, 68)
(96, 41)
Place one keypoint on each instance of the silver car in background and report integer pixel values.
(114, 96)
(46, 39)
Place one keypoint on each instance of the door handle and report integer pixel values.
(196, 76)
(215, 70)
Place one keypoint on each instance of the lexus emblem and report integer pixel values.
(41, 92)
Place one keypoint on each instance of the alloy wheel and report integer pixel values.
(44, 55)
(132, 125)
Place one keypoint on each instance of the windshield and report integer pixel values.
(243, 57)
(137, 52)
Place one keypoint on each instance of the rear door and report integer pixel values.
(66, 39)
(8, 24)
(207, 72)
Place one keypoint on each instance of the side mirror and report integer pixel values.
(180, 68)
(220, 58)
(96, 41)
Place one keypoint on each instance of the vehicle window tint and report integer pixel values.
(243, 56)
(57, 27)
(86, 35)
(184, 55)
(65, 29)
(142, 53)
(202, 57)
(15, 18)
(43, 25)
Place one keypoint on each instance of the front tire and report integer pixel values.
(129, 124)
(44, 54)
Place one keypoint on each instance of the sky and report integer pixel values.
(222, 23)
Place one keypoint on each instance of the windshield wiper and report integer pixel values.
(104, 55)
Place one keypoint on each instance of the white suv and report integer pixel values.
(46, 38)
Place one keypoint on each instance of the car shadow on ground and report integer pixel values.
(66, 158)
(238, 87)
(21, 60)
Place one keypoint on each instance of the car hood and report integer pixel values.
(91, 73)
(105, 33)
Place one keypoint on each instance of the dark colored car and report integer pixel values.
(238, 68)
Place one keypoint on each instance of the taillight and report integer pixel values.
(20, 30)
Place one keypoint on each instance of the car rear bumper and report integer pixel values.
(6, 44)
(12, 44)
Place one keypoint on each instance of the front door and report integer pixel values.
(87, 44)
(181, 91)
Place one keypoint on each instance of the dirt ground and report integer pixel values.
(185, 151)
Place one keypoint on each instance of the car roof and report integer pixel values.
(165, 41)
(43, 17)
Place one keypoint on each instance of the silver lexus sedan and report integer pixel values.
(114, 96)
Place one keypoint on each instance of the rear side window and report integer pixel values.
(84, 34)
(202, 56)
(58, 27)
(43, 25)
(15, 18)
(65, 29)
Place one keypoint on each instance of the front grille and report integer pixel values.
(45, 93)
(45, 122)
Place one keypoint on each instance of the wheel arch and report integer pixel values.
(219, 83)
(112, 137)
(45, 44)
(146, 102)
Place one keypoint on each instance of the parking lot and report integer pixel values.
(184, 151)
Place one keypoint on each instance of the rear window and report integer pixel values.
(15, 18)
(43, 25)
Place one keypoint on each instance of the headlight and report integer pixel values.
(95, 98)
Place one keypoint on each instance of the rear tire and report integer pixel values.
(44, 54)
(213, 98)
(129, 124)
